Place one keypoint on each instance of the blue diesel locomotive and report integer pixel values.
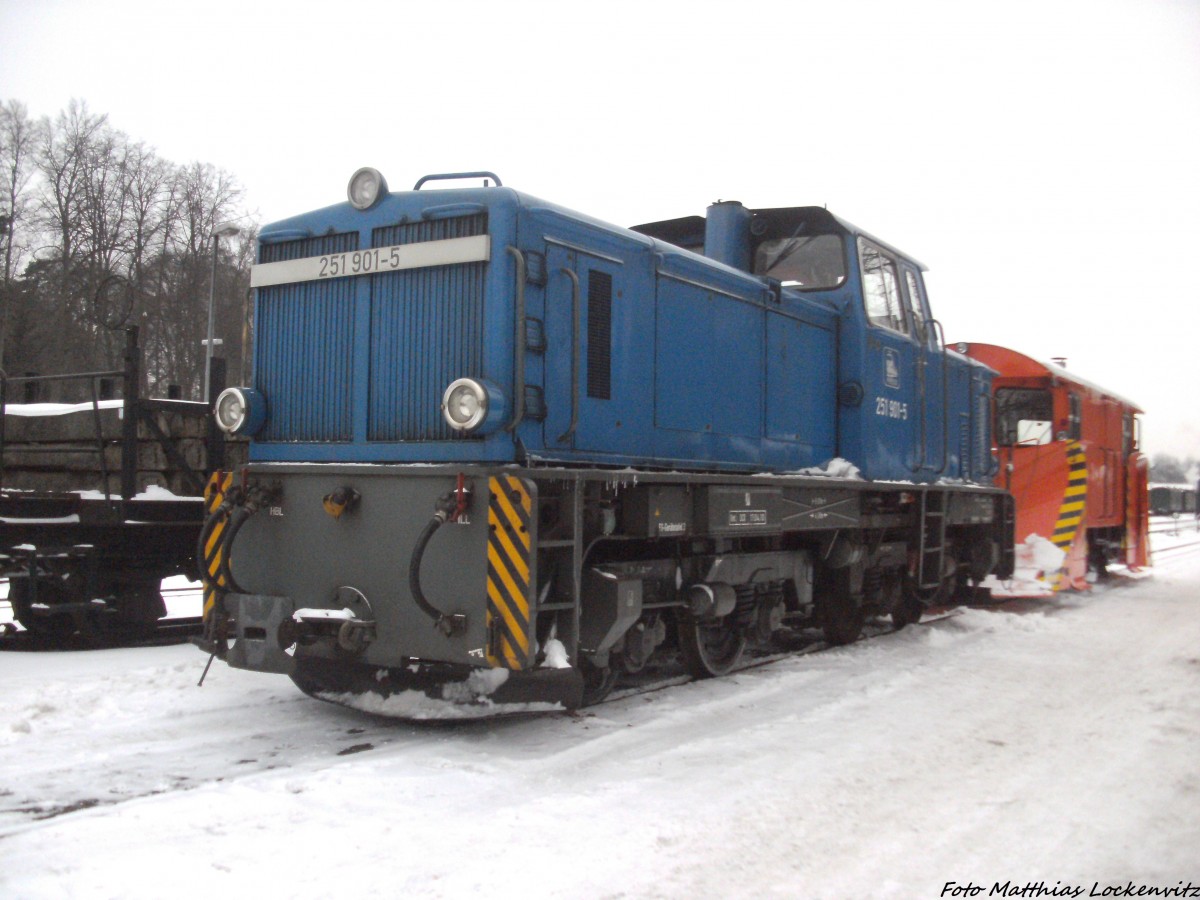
(504, 452)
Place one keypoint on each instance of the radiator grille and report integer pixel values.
(304, 347)
(426, 331)
(982, 461)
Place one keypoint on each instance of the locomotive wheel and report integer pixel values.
(907, 612)
(709, 648)
(308, 679)
(841, 619)
(55, 627)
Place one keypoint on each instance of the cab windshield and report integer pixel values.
(811, 262)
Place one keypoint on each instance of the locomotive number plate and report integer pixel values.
(374, 261)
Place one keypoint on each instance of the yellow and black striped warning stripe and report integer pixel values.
(214, 494)
(509, 541)
(1070, 513)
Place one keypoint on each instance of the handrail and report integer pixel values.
(945, 396)
(3, 419)
(518, 342)
(453, 176)
(922, 380)
(112, 374)
(100, 439)
(576, 303)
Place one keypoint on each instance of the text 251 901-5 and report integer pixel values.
(890, 409)
(360, 262)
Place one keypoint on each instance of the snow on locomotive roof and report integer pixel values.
(1061, 373)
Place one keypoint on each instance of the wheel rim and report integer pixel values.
(709, 648)
(53, 626)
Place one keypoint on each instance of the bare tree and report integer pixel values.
(119, 236)
(201, 198)
(18, 140)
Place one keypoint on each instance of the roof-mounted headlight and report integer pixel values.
(473, 405)
(240, 410)
(366, 188)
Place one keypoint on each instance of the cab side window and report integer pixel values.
(916, 310)
(1074, 417)
(1014, 406)
(881, 288)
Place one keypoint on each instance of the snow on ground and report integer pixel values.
(1051, 742)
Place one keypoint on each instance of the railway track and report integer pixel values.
(1176, 552)
(168, 631)
(1175, 526)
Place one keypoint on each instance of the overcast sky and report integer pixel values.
(1041, 158)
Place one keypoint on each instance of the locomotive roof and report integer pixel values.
(1014, 364)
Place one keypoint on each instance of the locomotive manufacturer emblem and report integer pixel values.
(891, 368)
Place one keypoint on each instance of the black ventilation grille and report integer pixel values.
(599, 335)
(305, 247)
(429, 230)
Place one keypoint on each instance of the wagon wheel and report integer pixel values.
(105, 627)
(139, 607)
(709, 647)
(54, 627)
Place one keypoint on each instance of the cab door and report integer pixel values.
(894, 395)
(931, 374)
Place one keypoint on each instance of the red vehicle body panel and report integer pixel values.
(1083, 483)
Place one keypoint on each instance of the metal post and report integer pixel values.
(226, 230)
(6, 230)
(216, 437)
(129, 418)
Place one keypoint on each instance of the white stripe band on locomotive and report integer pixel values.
(374, 261)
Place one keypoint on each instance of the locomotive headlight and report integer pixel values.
(240, 410)
(473, 405)
(366, 188)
